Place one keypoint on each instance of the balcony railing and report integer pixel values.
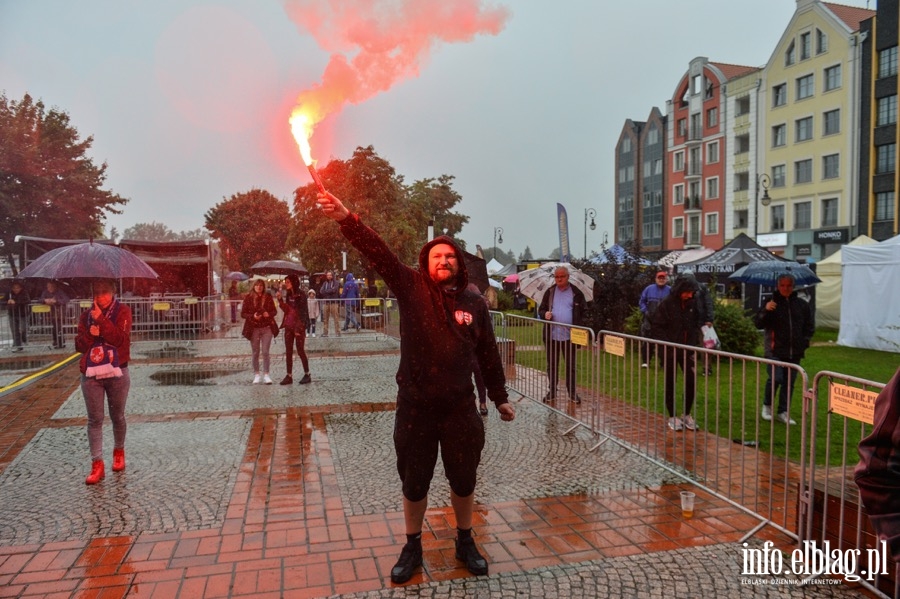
(692, 203)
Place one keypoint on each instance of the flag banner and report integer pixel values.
(563, 219)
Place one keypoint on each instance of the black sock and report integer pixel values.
(462, 534)
(415, 539)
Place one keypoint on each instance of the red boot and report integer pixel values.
(97, 473)
(118, 460)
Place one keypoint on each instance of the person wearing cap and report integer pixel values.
(677, 320)
(652, 295)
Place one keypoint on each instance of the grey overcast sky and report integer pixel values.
(188, 100)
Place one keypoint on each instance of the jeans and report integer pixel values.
(115, 390)
(261, 341)
(19, 325)
(567, 350)
(350, 315)
(779, 379)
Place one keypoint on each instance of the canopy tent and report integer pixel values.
(683, 256)
(494, 267)
(870, 317)
(183, 266)
(828, 292)
(617, 254)
(509, 269)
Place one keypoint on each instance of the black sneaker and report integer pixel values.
(549, 397)
(305, 380)
(287, 380)
(410, 559)
(467, 552)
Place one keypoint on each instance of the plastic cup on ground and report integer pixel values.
(687, 504)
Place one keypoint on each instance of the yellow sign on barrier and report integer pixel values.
(852, 402)
(40, 308)
(580, 337)
(161, 306)
(372, 302)
(188, 301)
(85, 304)
(614, 345)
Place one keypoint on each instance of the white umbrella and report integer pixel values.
(535, 282)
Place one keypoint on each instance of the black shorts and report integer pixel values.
(417, 435)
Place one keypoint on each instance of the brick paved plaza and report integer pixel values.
(240, 490)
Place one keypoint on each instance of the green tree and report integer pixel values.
(153, 231)
(49, 187)
(250, 227)
(526, 255)
(617, 289)
(437, 197)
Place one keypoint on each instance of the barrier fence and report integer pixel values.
(795, 478)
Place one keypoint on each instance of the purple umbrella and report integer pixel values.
(88, 261)
(278, 267)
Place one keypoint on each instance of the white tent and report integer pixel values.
(828, 292)
(870, 312)
(493, 267)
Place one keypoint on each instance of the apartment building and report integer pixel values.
(628, 157)
(878, 173)
(807, 155)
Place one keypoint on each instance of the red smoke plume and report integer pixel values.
(374, 44)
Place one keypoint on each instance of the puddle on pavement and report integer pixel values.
(199, 377)
(171, 352)
(25, 364)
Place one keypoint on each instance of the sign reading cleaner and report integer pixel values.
(852, 402)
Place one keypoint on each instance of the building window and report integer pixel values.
(804, 129)
(777, 218)
(682, 127)
(678, 227)
(696, 84)
(779, 135)
(712, 188)
(830, 212)
(621, 175)
(804, 87)
(821, 42)
(832, 120)
(678, 194)
(805, 45)
(887, 110)
(831, 166)
(778, 176)
(803, 171)
(648, 167)
(790, 55)
(742, 143)
(885, 158)
(678, 163)
(712, 117)
(626, 145)
(629, 173)
(887, 62)
(832, 77)
(712, 223)
(652, 136)
(803, 215)
(884, 205)
(712, 152)
(741, 219)
(779, 95)
(657, 166)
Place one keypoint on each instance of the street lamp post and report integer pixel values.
(498, 237)
(762, 181)
(589, 212)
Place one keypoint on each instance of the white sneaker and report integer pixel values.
(267, 380)
(783, 417)
(312, 334)
(256, 380)
(766, 413)
(675, 424)
(689, 422)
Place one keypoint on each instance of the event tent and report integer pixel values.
(828, 292)
(493, 267)
(870, 313)
(684, 256)
(619, 254)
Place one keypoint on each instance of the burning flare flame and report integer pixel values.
(302, 128)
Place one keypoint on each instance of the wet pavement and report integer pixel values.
(240, 490)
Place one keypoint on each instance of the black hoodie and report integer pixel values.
(441, 330)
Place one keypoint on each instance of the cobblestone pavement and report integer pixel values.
(240, 490)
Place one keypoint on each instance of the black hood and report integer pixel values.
(462, 276)
(684, 283)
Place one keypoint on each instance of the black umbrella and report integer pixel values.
(88, 261)
(278, 267)
(236, 276)
(477, 270)
(767, 273)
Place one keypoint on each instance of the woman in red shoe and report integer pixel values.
(104, 340)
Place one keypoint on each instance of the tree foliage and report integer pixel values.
(49, 187)
(369, 186)
(617, 289)
(154, 231)
(250, 227)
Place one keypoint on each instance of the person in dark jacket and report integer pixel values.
(677, 320)
(562, 303)
(707, 308)
(789, 326)
(292, 302)
(17, 306)
(104, 341)
(443, 326)
(56, 298)
(877, 474)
